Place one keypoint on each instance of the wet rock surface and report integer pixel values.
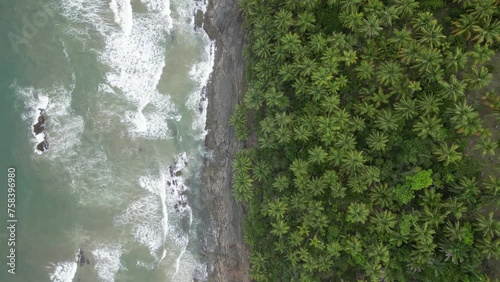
(226, 252)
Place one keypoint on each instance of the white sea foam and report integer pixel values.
(63, 128)
(107, 262)
(64, 272)
(198, 101)
(122, 10)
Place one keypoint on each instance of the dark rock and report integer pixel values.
(43, 146)
(178, 173)
(39, 127)
(229, 259)
(80, 258)
(198, 19)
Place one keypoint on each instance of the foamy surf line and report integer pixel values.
(134, 50)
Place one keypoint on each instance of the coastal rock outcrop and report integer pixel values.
(228, 254)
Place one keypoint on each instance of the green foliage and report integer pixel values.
(366, 128)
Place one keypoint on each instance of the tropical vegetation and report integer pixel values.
(365, 152)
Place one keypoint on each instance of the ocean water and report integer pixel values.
(120, 84)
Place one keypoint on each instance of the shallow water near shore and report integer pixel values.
(121, 84)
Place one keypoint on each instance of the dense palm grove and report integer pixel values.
(365, 152)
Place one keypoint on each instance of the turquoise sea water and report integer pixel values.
(120, 83)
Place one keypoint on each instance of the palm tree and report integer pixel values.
(452, 89)
(287, 72)
(353, 161)
(492, 188)
(429, 103)
(422, 234)
(433, 216)
(358, 123)
(371, 27)
(406, 8)
(350, 57)
(454, 231)
(481, 54)
(388, 14)
(406, 108)
(243, 187)
(455, 206)
(431, 35)
(488, 33)
(365, 70)
(377, 141)
(350, 6)
(465, 119)
(351, 21)
(258, 260)
(410, 52)
(466, 189)
(277, 209)
(356, 184)
(429, 126)
(456, 59)
(306, 21)
(307, 66)
(357, 212)
(422, 19)
(317, 155)
(302, 133)
(352, 245)
(489, 247)
(261, 170)
(464, 25)
(283, 20)
(428, 60)
(486, 147)
(338, 190)
(342, 118)
(390, 73)
(267, 141)
(379, 253)
(322, 77)
(346, 141)
(242, 162)
(483, 9)
(279, 53)
(448, 154)
(386, 120)
(382, 196)
(262, 47)
(291, 42)
(280, 228)
(401, 37)
(383, 221)
(488, 227)
(281, 182)
(299, 167)
(371, 175)
(330, 103)
(478, 78)
(317, 43)
(430, 198)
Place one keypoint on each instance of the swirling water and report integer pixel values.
(120, 84)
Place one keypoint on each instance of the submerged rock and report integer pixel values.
(80, 258)
(39, 127)
(43, 146)
(198, 19)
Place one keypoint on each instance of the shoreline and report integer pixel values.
(226, 253)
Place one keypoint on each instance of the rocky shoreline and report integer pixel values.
(226, 252)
